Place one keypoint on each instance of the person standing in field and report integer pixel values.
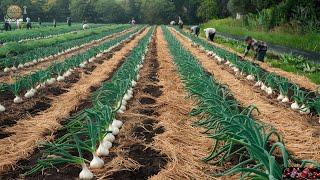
(54, 23)
(180, 23)
(210, 33)
(69, 21)
(18, 24)
(195, 30)
(28, 23)
(133, 22)
(39, 21)
(259, 47)
(7, 25)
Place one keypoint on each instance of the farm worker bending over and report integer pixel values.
(172, 23)
(259, 47)
(195, 30)
(180, 23)
(210, 33)
(85, 25)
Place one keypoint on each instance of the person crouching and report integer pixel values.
(195, 30)
(259, 47)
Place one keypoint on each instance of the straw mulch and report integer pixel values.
(9, 79)
(30, 131)
(300, 137)
(182, 142)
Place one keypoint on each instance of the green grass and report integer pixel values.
(308, 42)
(272, 59)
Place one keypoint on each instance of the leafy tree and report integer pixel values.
(208, 9)
(116, 13)
(157, 11)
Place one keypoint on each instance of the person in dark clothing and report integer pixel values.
(7, 25)
(195, 30)
(259, 47)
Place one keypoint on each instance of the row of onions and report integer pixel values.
(23, 47)
(288, 93)
(44, 32)
(30, 84)
(91, 132)
(42, 54)
(251, 146)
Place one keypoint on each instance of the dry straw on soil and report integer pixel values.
(10, 77)
(30, 131)
(300, 137)
(183, 143)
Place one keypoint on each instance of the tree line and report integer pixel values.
(163, 11)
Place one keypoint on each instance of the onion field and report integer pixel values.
(122, 101)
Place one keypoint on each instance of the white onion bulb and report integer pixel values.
(60, 78)
(115, 131)
(2, 108)
(257, 84)
(102, 150)
(295, 105)
(96, 162)
(304, 109)
(280, 97)
(117, 123)
(85, 174)
(109, 137)
(285, 99)
(17, 100)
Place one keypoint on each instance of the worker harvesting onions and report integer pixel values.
(195, 30)
(210, 33)
(259, 47)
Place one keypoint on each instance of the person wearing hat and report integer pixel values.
(195, 30)
(259, 47)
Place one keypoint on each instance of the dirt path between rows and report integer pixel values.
(31, 131)
(11, 77)
(300, 80)
(182, 142)
(301, 137)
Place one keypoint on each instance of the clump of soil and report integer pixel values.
(146, 130)
(5, 134)
(153, 90)
(148, 112)
(56, 91)
(151, 162)
(146, 100)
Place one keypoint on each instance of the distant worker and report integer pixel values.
(180, 23)
(28, 23)
(195, 30)
(172, 23)
(210, 33)
(259, 47)
(85, 25)
(54, 23)
(7, 25)
(18, 23)
(39, 21)
(69, 21)
(133, 22)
